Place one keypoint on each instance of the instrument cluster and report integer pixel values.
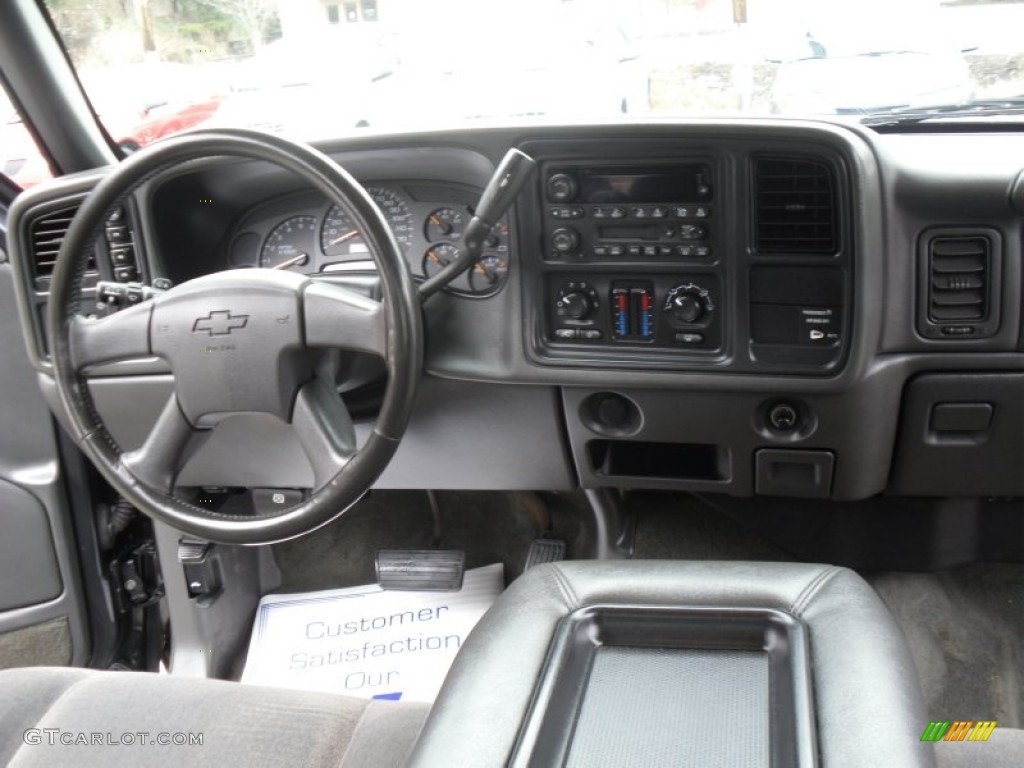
(308, 235)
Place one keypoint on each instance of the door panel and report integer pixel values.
(42, 617)
(29, 574)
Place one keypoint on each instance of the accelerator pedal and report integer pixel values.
(544, 551)
(421, 570)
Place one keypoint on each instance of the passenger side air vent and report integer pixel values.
(47, 234)
(795, 206)
(958, 280)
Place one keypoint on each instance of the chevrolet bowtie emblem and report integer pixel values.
(220, 323)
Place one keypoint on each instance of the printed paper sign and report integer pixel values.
(364, 641)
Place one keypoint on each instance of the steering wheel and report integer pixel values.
(247, 350)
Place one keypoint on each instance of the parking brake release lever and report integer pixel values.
(512, 174)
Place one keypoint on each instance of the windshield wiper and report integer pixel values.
(1012, 105)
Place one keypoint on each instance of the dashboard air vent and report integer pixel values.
(958, 289)
(795, 206)
(47, 233)
(959, 284)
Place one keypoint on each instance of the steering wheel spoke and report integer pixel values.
(120, 336)
(156, 461)
(339, 317)
(324, 427)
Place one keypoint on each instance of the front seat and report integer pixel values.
(671, 655)
(84, 718)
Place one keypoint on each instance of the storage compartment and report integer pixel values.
(804, 474)
(628, 685)
(961, 434)
(676, 461)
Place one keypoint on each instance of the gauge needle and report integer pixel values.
(345, 238)
(487, 274)
(434, 257)
(295, 261)
(436, 219)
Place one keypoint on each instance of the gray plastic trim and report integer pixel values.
(27, 555)
(210, 634)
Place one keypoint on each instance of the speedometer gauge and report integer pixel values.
(340, 238)
(291, 245)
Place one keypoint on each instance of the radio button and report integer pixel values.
(565, 333)
(616, 250)
(561, 188)
(650, 250)
(681, 212)
(618, 212)
(686, 251)
(600, 250)
(590, 333)
(567, 213)
(599, 213)
(565, 240)
(659, 212)
(702, 251)
(638, 212)
(664, 250)
(702, 212)
(635, 250)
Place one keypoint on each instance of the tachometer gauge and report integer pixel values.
(438, 257)
(291, 245)
(340, 238)
(445, 223)
(488, 274)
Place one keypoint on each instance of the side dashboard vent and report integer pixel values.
(958, 284)
(795, 206)
(47, 233)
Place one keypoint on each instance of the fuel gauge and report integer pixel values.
(445, 224)
(438, 257)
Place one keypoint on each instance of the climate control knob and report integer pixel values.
(576, 302)
(687, 308)
(688, 303)
(576, 305)
(565, 240)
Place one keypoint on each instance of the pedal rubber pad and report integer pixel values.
(425, 570)
(544, 551)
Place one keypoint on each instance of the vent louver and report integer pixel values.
(959, 283)
(47, 234)
(958, 279)
(795, 206)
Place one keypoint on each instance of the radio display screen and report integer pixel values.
(675, 184)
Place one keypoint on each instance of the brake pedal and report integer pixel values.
(544, 551)
(426, 570)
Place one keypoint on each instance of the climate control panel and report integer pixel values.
(664, 310)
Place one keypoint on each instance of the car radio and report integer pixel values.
(623, 213)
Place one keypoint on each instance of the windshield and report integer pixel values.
(317, 68)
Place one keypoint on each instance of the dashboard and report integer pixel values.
(771, 307)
